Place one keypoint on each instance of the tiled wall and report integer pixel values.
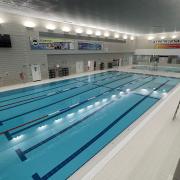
(20, 57)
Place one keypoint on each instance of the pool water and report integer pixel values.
(158, 68)
(49, 131)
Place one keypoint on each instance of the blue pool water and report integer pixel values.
(159, 68)
(49, 131)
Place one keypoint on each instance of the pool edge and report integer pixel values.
(98, 162)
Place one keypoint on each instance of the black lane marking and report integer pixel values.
(38, 92)
(94, 79)
(61, 111)
(58, 82)
(94, 139)
(21, 153)
(8, 119)
(33, 99)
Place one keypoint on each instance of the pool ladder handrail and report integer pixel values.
(177, 108)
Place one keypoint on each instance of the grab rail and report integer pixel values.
(175, 113)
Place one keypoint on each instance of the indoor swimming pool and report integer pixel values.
(158, 68)
(49, 131)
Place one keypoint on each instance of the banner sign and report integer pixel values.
(89, 46)
(167, 44)
(46, 43)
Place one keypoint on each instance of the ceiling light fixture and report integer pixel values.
(125, 37)
(132, 38)
(1, 21)
(29, 24)
(79, 30)
(150, 38)
(116, 36)
(66, 29)
(163, 37)
(89, 32)
(98, 33)
(50, 27)
(174, 36)
(106, 34)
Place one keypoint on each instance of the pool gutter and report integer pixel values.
(97, 163)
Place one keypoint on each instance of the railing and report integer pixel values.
(175, 114)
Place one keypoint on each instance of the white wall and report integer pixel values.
(19, 58)
(146, 47)
(165, 52)
(71, 59)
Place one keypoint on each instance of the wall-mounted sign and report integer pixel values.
(167, 44)
(46, 43)
(89, 46)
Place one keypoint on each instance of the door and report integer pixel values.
(91, 65)
(79, 66)
(120, 62)
(36, 72)
(130, 60)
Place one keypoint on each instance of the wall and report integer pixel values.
(146, 47)
(163, 52)
(70, 60)
(20, 57)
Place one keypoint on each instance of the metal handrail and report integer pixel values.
(175, 114)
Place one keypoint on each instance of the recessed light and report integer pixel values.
(29, 24)
(150, 38)
(116, 36)
(50, 27)
(174, 36)
(79, 30)
(66, 29)
(89, 32)
(106, 34)
(125, 36)
(98, 33)
(163, 37)
(1, 21)
(132, 38)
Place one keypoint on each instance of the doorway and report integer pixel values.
(36, 72)
(91, 65)
(79, 66)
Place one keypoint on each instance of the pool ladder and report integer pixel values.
(178, 106)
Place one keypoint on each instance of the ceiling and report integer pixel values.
(132, 16)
